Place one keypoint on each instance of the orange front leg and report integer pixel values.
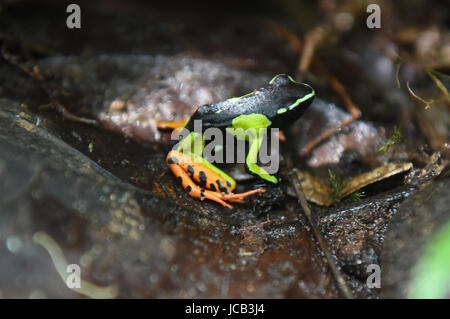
(173, 125)
(170, 125)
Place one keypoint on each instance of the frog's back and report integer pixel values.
(282, 102)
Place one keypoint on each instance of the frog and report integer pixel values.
(277, 105)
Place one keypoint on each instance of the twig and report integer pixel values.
(427, 103)
(438, 83)
(302, 200)
(397, 72)
(354, 111)
(35, 74)
(312, 40)
(68, 115)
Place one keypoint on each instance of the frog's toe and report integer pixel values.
(237, 200)
(231, 197)
(216, 197)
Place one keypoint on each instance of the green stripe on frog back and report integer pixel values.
(302, 99)
(234, 99)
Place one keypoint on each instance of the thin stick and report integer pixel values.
(438, 82)
(427, 103)
(312, 40)
(36, 75)
(334, 269)
(354, 111)
(68, 115)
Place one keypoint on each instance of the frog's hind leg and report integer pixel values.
(205, 174)
(212, 183)
(192, 189)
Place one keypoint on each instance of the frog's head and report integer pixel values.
(291, 99)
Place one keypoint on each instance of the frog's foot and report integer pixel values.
(234, 198)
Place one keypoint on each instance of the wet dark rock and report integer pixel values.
(136, 239)
(418, 218)
(355, 232)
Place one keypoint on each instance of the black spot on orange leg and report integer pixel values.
(172, 160)
(202, 175)
(190, 170)
(203, 179)
(221, 188)
(192, 189)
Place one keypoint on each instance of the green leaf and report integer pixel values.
(432, 273)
